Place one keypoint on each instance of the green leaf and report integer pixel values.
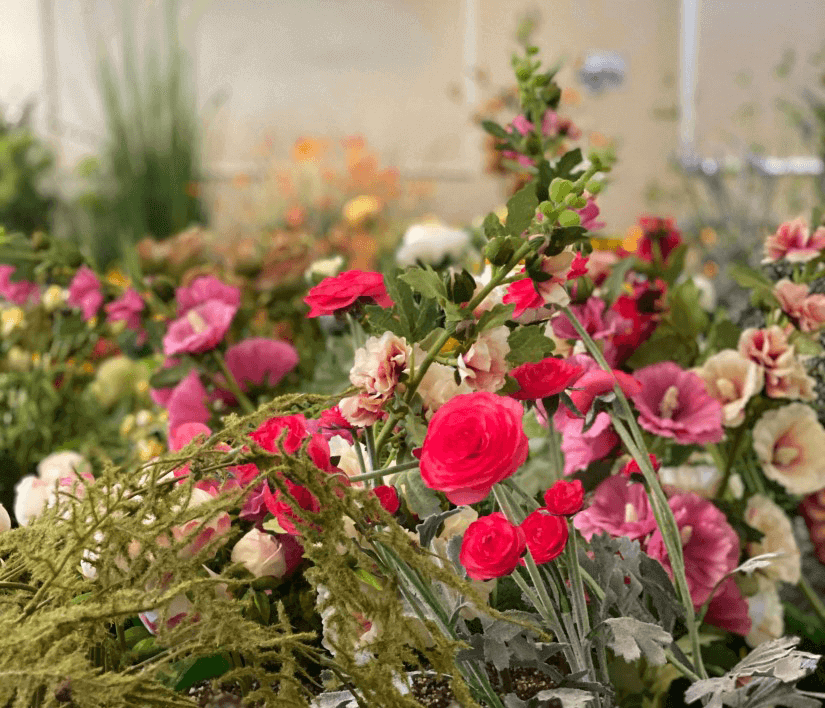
(528, 344)
(492, 226)
(421, 500)
(368, 578)
(495, 317)
(495, 129)
(426, 281)
(612, 286)
(686, 314)
(567, 164)
(170, 376)
(723, 334)
(805, 344)
(665, 344)
(753, 280)
(521, 208)
(204, 668)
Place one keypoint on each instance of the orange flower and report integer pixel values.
(571, 96)
(308, 149)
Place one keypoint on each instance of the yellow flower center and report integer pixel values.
(197, 322)
(669, 403)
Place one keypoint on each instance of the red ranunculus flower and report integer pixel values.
(280, 508)
(388, 498)
(632, 467)
(332, 295)
(473, 442)
(268, 432)
(565, 497)
(661, 231)
(546, 535)
(544, 378)
(491, 547)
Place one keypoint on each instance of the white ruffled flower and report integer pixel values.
(698, 474)
(61, 470)
(766, 613)
(765, 516)
(347, 456)
(324, 268)
(260, 553)
(5, 519)
(733, 380)
(431, 243)
(484, 366)
(789, 442)
(438, 384)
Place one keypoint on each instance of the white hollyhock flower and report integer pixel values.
(789, 442)
(431, 243)
(764, 515)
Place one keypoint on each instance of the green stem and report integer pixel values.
(375, 474)
(633, 439)
(232, 384)
(18, 586)
(813, 598)
(733, 450)
(556, 454)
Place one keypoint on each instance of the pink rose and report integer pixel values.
(473, 442)
(484, 366)
(85, 292)
(202, 328)
(794, 242)
(259, 360)
(808, 311)
(546, 535)
(544, 378)
(491, 547)
(333, 295)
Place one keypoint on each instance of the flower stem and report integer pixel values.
(387, 470)
(232, 383)
(813, 598)
(634, 442)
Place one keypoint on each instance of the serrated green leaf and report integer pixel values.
(521, 208)
(528, 344)
(425, 281)
(495, 317)
(170, 376)
(421, 500)
(492, 226)
(495, 129)
(631, 639)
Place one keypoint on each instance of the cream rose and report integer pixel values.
(260, 553)
(484, 366)
(762, 514)
(438, 384)
(732, 380)
(789, 442)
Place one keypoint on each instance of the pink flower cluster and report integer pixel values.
(20, 292)
(710, 546)
(794, 242)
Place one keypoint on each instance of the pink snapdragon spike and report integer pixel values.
(128, 309)
(619, 509)
(259, 360)
(709, 544)
(201, 329)
(204, 289)
(674, 403)
(85, 292)
(187, 402)
(17, 293)
(794, 242)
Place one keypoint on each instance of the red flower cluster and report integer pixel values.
(336, 294)
(544, 378)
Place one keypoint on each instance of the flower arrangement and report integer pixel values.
(542, 475)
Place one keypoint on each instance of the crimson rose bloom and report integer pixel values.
(280, 508)
(632, 467)
(546, 535)
(565, 497)
(332, 295)
(387, 497)
(491, 547)
(473, 441)
(544, 378)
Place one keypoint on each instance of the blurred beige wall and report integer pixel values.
(409, 74)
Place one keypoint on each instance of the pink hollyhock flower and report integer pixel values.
(641, 312)
(128, 308)
(19, 292)
(581, 447)
(589, 214)
(807, 311)
(812, 509)
(599, 322)
(182, 435)
(709, 544)
(618, 508)
(85, 292)
(336, 294)
(203, 289)
(673, 403)
(202, 328)
(259, 360)
(732, 380)
(728, 609)
(544, 378)
(660, 231)
(187, 402)
(794, 242)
